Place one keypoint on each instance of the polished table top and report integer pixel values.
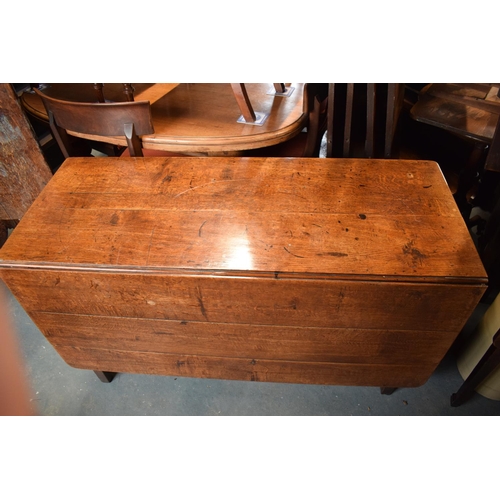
(199, 118)
(455, 116)
(377, 220)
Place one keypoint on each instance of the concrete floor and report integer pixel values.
(58, 389)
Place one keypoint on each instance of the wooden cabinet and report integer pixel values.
(323, 271)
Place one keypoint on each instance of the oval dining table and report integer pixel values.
(200, 119)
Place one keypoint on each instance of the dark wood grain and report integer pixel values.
(256, 370)
(328, 345)
(264, 300)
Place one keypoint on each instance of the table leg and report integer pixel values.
(241, 95)
(105, 377)
(387, 390)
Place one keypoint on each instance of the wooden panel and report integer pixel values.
(245, 341)
(456, 117)
(254, 269)
(247, 369)
(322, 216)
(85, 92)
(265, 301)
(23, 170)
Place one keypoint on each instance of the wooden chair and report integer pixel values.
(362, 119)
(307, 143)
(469, 111)
(129, 119)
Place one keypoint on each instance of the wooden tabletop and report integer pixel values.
(200, 118)
(457, 117)
(357, 218)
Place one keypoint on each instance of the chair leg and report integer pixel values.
(468, 176)
(489, 361)
(387, 390)
(105, 377)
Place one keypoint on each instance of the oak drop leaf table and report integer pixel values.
(318, 271)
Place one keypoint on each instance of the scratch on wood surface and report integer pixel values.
(332, 254)
(291, 253)
(201, 227)
(206, 184)
(150, 244)
(293, 194)
(199, 297)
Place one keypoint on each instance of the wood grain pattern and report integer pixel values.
(456, 117)
(23, 170)
(327, 345)
(284, 270)
(247, 369)
(321, 216)
(199, 118)
(257, 300)
(84, 92)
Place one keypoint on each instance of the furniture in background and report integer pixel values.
(127, 119)
(23, 170)
(298, 270)
(363, 119)
(308, 142)
(202, 119)
(469, 111)
(479, 362)
(85, 92)
(90, 93)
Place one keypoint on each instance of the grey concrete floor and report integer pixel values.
(58, 389)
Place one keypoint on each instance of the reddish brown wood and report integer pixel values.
(198, 118)
(279, 87)
(241, 95)
(289, 270)
(296, 343)
(130, 119)
(258, 370)
(363, 119)
(323, 303)
(348, 120)
(395, 97)
(98, 87)
(457, 110)
(23, 170)
(81, 92)
(330, 123)
(128, 90)
(370, 120)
